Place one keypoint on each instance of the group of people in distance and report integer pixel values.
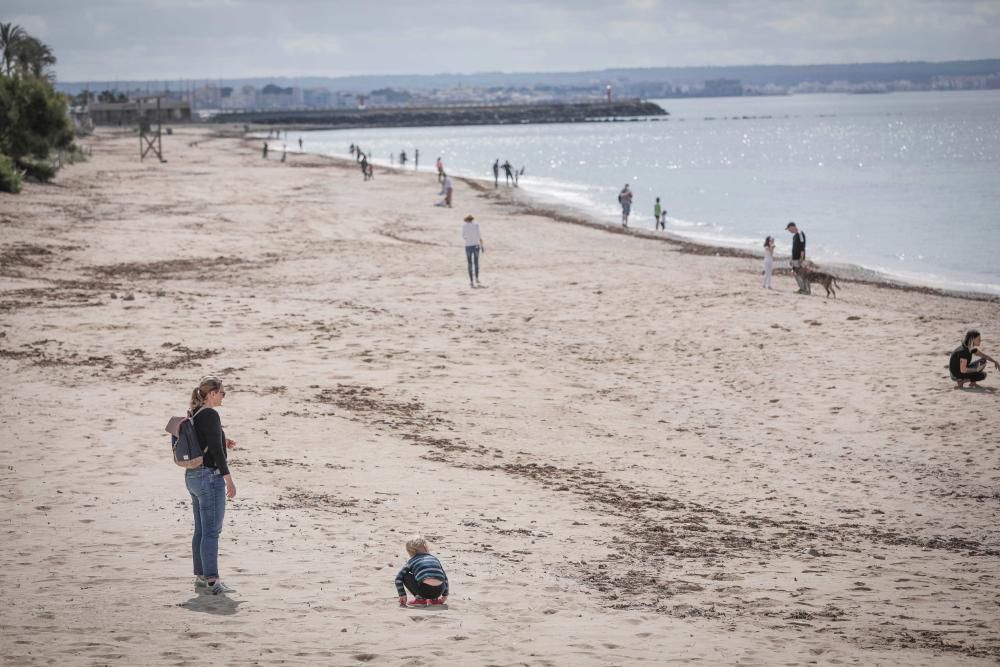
(625, 201)
(510, 174)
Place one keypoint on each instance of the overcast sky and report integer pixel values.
(191, 39)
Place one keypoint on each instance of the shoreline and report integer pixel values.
(524, 202)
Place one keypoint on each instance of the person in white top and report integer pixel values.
(768, 261)
(473, 246)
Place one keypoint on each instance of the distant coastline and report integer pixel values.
(509, 114)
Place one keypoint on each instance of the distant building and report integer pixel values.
(723, 88)
(131, 112)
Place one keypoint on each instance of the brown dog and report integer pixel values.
(825, 279)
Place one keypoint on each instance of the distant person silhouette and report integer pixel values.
(402, 159)
(440, 168)
(300, 143)
(416, 158)
(264, 154)
(508, 172)
(496, 173)
(625, 199)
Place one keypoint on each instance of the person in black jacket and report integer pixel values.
(963, 369)
(798, 257)
(210, 484)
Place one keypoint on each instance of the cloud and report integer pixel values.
(109, 39)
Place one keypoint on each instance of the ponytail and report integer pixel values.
(207, 384)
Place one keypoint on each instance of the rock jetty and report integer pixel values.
(458, 115)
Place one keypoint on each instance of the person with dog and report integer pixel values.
(798, 257)
(963, 369)
(768, 261)
(423, 575)
(209, 485)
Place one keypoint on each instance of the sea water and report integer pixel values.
(907, 184)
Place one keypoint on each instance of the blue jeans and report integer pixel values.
(208, 499)
(472, 257)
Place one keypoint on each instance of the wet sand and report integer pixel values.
(623, 453)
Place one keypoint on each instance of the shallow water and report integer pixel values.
(906, 183)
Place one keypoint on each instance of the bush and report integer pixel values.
(33, 119)
(38, 169)
(10, 177)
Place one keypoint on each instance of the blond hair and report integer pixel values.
(416, 545)
(206, 385)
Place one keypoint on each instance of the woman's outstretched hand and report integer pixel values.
(230, 443)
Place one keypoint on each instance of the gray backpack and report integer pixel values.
(187, 450)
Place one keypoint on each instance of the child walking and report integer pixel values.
(768, 261)
(422, 575)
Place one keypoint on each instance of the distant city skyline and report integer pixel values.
(182, 39)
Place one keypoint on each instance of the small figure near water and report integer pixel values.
(496, 173)
(768, 261)
(625, 199)
(300, 144)
(402, 158)
(264, 154)
(446, 189)
(284, 151)
(440, 168)
(423, 575)
(798, 257)
(473, 246)
(961, 366)
(508, 171)
(416, 158)
(660, 215)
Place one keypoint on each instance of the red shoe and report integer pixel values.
(418, 602)
(435, 601)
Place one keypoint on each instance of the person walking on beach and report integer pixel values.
(961, 366)
(264, 154)
(416, 159)
(440, 168)
(402, 158)
(364, 166)
(768, 261)
(658, 215)
(447, 189)
(209, 485)
(473, 246)
(798, 257)
(300, 144)
(496, 173)
(284, 151)
(625, 199)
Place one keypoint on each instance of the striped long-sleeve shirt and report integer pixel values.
(422, 566)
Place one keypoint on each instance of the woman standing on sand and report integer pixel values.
(768, 261)
(210, 484)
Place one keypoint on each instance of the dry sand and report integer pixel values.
(622, 453)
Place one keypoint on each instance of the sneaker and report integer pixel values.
(200, 583)
(435, 601)
(219, 588)
(418, 602)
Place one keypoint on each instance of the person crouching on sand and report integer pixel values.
(963, 368)
(473, 238)
(422, 575)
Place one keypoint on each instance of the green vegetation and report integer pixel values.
(36, 135)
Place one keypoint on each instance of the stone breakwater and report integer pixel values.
(464, 115)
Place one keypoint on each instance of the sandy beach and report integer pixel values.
(623, 453)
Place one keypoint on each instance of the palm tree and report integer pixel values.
(10, 36)
(33, 57)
